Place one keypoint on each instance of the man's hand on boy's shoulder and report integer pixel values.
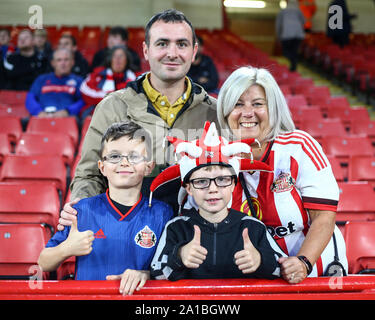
(248, 260)
(67, 215)
(193, 254)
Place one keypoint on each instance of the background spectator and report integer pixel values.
(290, 32)
(23, 66)
(308, 9)
(56, 94)
(5, 49)
(203, 70)
(118, 36)
(81, 66)
(340, 36)
(114, 75)
(42, 45)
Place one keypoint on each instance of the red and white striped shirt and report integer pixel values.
(302, 179)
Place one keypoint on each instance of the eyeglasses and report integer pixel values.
(132, 158)
(203, 183)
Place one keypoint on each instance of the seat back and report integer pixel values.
(320, 128)
(20, 245)
(362, 168)
(66, 125)
(35, 168)
(356, 201)
(345, 147)
(29, 202)
(46, 144)
(12, 127)
(360, 249)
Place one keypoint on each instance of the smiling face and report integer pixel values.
(170, 51)
(124, 175)
(249, 118)
(212, 201)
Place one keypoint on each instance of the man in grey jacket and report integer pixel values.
(290, 31)
(163, 101)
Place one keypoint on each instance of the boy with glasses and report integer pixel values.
(115, 234)
(210, 240)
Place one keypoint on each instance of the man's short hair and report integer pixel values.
(70, 52)
(121, 31)
(6, 30)
(69, 36)
(127, 129)
(170, 15)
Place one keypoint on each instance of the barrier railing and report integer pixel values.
(351, 287)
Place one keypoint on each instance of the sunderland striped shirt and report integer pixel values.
(302, 179)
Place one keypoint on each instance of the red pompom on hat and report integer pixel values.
(210, 149)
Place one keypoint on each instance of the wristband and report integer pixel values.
(307, 263)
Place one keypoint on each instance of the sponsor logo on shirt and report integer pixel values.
(58, 89)
(145, 238)
(278, 232)
(256, 205)
(284, 182)
(100, 234)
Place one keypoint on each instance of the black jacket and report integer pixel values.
(222, 240)
(21, 71)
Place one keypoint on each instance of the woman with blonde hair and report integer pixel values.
(298, 200)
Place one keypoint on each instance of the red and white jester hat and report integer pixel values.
(209, 149)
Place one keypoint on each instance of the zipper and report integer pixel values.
(214, 251)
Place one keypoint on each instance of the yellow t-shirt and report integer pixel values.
(160, 102)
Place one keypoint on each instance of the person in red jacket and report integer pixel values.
(308, 8)
(114, 75)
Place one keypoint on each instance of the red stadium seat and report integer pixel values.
(318, 95)
(35, 168)
(360, 249)
(356, 201)
(20, 245)
(85, 126)
(5, 147)
(338, 102)
(321, 128)
(89, 38)
(349, 115)
(13, 98)
(345, 147)
(362, 169)
(12, 127)
(299, 114)
(364, 127)
(338, 171)
(29, 202)
(67, 125)
(297, 100)
(46, 144)
(13, 110)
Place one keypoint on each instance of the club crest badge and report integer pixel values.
(284, 182)
(145, 238)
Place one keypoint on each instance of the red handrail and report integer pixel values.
(356, 286)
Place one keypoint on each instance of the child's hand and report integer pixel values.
(248, 260)
(193, 254)
(131, 280)
(79, 243)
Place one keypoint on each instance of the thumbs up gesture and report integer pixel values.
(79, 243)
(193, 254)
(248, 260)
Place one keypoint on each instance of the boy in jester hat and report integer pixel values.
(213, 241)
